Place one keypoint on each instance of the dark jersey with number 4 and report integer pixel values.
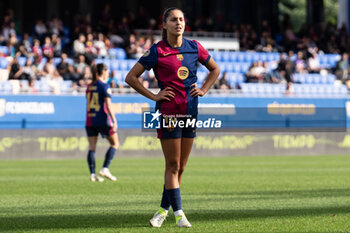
(97, 114)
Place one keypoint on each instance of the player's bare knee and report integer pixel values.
(173, 167)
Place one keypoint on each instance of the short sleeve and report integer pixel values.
(203, 55)
(107, 91)
(150, 58)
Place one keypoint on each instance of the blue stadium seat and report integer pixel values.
(201, 76)
(222, 66)
(256, 57)
(245, 67)
(3, 63)
(216, 55)
(114, 64)
(22, 61)
(4, 50)
(117, 53)
(233, 56)
(123, 64)
(56, 60)
(225, 56)
(131, 63)
(236, 67)
(249, 56)
(241, 56)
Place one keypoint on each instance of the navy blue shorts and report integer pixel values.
(178, 131)
(93, 131)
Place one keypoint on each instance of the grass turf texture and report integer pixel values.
(226, 194)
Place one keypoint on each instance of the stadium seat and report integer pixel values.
(3, 63)
(4, 50)
(201, 76)
(117, 53)
(233, 56)
(22, 61)
(123, 64)
(131, 63)
(56, 60)
(225, 56)
(114, 64)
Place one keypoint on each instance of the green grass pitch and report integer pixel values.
(220, 194)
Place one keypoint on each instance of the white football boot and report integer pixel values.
(181, 221)
(106, 173)
(94, 178)
(158, 218)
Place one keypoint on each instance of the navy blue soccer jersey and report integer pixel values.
(97, 114)
(176, 68)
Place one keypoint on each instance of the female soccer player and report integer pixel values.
(100, 119)
(174, 61)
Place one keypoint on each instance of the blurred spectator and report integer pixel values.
(313, 63)
(12, 45)
(285, 68)
(15, 70)
(102, 49)
(56, 26)
(300, 64)
(40, 29)
(37, 51)
(25, 46)
(134, 49)
(79, 45)
(29, 71)
(256, 73)
(47, 48)
(57, 45)
(224, 85)
(342, 68)
(50, 71)
(149, 80)
(79, 67)
(9, 30)
(87, 77)
(65, 69)
(91, 51)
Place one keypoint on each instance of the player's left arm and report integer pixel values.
(214, 72)
(111, 112)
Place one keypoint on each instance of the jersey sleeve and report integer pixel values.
(203, 55)
(150, 58)
(107, 91)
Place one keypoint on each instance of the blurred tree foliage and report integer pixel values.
(296, 9)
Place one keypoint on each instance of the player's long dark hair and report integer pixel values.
(97, 71)
(165, 17)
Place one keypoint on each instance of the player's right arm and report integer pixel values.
(111, 113)
(132, 80)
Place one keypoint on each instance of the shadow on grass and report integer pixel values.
(268, 195)
(128, 220)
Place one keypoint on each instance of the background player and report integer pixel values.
(100, 119)
(174, 61)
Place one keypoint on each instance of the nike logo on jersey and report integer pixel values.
(166, 54)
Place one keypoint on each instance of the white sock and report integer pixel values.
(178, 213)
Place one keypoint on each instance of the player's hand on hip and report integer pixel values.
(165, 94)
(196, 91)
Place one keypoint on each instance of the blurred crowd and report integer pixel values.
(79, 45)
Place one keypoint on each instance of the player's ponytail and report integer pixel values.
(165, 17)
(97, 71)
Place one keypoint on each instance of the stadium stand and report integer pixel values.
(236, 52)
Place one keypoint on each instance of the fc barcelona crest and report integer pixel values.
(180, 57)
